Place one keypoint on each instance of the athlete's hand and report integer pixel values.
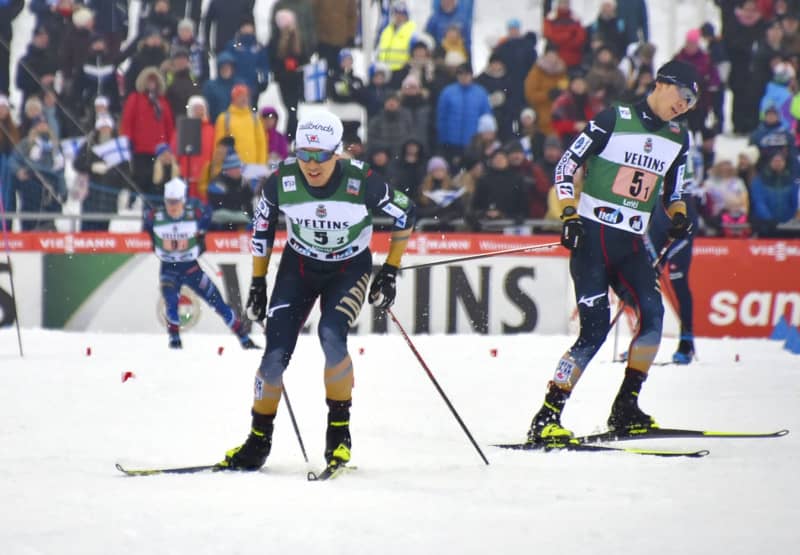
(680, 226)
(383, 289)
(257, 299)
(572, 234)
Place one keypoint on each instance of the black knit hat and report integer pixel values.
(679, 73)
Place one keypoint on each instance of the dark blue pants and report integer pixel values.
(176, 274)
(340, 287)
(678, 258)
(614, 258)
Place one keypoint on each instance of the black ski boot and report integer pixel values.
(174, 337)
(685, 352)
(252, 454)
(626, 416)
(337, 436)
(546, 425)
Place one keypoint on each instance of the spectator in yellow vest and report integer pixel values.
(242, 123)
(394, 45)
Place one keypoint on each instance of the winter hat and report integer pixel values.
(232, 161)
(399, 6)
(487, 124)
(707, 29)
(513, 23)
(179, 51)
(239, 90)
(196, 100)
(379, 67)
(104, 120)
(513, 146)
(268, 111)
(82, 17)
(437, 163)
(528, 113)
(553, 141)
(693, 36)
(319, 129)
(676, 72)
(161, 148)
(101, 101)
(187, 24)
(175, 189)
(783, 72)
(345, 53)
(285, 19)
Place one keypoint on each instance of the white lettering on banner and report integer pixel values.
(701, 250)
(756, 308)
(780, 251)
(70, 243)
(422, 245)
(136, 243)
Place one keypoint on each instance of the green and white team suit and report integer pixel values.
(330, 223)
(176, 240)
(626, 166)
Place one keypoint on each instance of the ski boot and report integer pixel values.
(252, 454)
(337, 436)
(174, 337)
(546, 428)
(626, 416)
(685, 352)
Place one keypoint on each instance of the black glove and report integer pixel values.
(201, 242)
(383, 289)
(256, 307)
(572, 230)
(680, 226)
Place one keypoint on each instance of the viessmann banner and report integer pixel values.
(109, 282)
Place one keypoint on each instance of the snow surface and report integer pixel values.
(420, 486)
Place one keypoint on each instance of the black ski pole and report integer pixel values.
(10, 270)
(294, 422)
(436, 384)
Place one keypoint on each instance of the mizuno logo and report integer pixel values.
(272, 309)
(589, 301)
(594, 127)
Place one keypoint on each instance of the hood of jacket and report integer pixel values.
(144, 75)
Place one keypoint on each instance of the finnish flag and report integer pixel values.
(315, 76)
(114, 151)
(71, 145)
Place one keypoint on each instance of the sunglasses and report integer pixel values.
(319, 156)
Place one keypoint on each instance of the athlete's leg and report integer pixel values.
(170, 281)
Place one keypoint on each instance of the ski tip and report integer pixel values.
(781, 433)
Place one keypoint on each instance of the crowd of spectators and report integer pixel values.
(474, 142)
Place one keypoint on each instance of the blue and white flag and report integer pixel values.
(114, 151)
(71, 146)
(315, 76)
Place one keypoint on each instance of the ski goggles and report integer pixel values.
(319, 156)
(688, 94)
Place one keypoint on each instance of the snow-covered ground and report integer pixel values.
(420, 486)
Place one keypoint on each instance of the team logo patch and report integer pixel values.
(564, 371)
(393, 210)
(322, 212)
(581, 144)
(400, 199)
(636, 223)
(289, 184)
(258, 389)
(648, 145)
(353, 186)
(608, 215)
(674, 127)
(624, 112)
(312, 138)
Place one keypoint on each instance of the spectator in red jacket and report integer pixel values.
(565, 31)
(573, 109)
(192, 164)
(147, 121)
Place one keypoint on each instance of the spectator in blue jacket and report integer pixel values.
(217, 92)
(773, 196)
(251, 58)
(460, 106)
(773, 136)
(446, 13)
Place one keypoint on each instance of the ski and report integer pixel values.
(583, 447)
(330, 472)
(652, 433)
(170, 470)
